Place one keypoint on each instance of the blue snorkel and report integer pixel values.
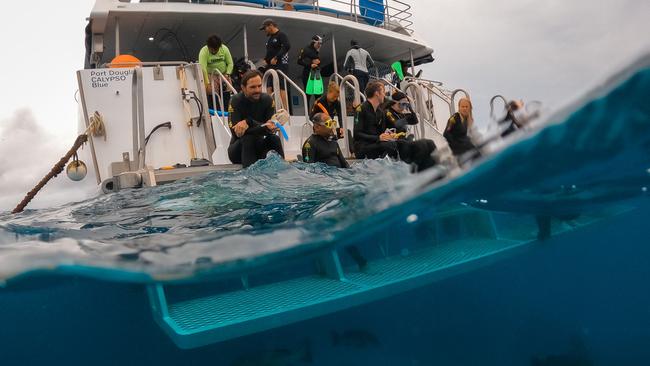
(282, 130)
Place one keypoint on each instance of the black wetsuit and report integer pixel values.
(277, 46)
(305, 59)
(456, 135)
(318, 149)
(400, 121)
(258, 140)
(370, 123)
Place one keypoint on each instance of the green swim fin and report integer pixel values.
(309, 89)
(318, 83)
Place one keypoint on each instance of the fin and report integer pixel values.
(309, 89)
(318, 83)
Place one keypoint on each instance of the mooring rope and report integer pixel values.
(56, 170)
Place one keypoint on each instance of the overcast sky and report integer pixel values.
(550, 50)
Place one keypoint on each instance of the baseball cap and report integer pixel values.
(267, 22)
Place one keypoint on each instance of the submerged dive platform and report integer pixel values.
(459, 241)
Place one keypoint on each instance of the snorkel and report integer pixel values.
(279, 119)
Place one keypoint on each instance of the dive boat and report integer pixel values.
(155, 135)
(158, 129)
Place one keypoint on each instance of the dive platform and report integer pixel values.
(333, 286)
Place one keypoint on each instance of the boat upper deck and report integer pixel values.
(383, 28)
(395, 15)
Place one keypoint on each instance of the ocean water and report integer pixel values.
(74, 277)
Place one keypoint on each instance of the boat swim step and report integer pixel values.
(201, 321)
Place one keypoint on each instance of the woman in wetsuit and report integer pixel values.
(458, 127)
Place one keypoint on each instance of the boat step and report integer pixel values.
(201, 321)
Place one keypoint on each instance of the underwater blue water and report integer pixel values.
(75, 276)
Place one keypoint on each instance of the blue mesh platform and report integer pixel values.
(219, 317)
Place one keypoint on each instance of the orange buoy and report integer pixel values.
(124, 61)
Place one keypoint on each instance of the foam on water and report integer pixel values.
(593, 154)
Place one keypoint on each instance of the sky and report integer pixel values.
(551, 51)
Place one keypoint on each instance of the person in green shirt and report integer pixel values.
(215, 56)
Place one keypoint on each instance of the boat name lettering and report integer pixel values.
(102, 78)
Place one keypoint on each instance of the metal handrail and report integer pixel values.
(394, 12)
(344, 109)
(223, 80)
(494, 98)
(421, 108)
(146, 63)
(339, 78)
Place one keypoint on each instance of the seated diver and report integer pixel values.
(321, 147)
(250, 120)
(374, 139)
(458, 127)
(399, 114)
(330, 105)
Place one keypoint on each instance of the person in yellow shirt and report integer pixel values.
(215, 56)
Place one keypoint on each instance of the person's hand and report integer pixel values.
(316, 61)
(240, 128)
(313, 66)
(274, 61)
(386, 137)
(228, 79)
(270, 125)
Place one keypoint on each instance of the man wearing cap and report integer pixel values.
(277, 54)
(357, 62)
(309, 59)
(321, 147)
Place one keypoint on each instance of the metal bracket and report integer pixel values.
(158, 73)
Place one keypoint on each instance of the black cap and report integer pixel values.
(354, 43)
(267, 22)
(317, 38)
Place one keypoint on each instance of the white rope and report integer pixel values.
(97, 128)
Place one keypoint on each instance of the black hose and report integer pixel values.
(166, 124)
(199, 104)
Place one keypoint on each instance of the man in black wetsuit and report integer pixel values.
(277, 54)
(321, 147)
(250, 114)
(373, 139)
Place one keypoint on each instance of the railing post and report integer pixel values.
(336, 62)
(117, 36)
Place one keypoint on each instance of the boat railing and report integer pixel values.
(394, 15)
(217, 75)
(339, 80)
(275, 76)
(145, 64)
(344, 119)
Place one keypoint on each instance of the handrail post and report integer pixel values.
(336, 62)
(344, 111)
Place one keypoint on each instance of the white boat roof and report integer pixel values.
(192, 23)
